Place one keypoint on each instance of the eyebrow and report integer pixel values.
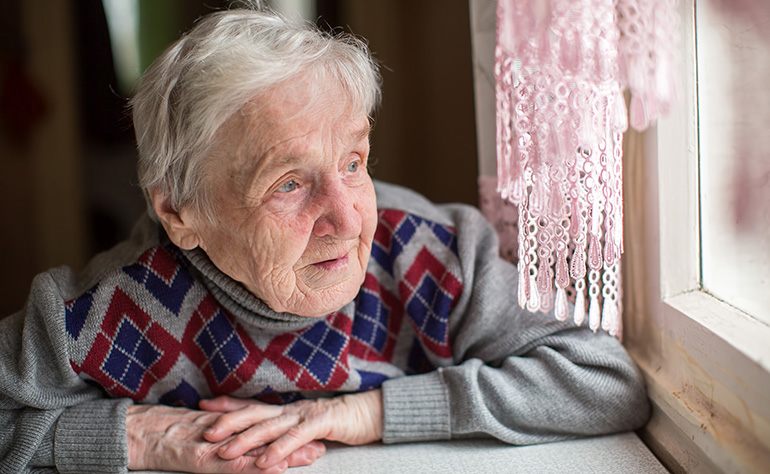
(363, 132)
(281, 161)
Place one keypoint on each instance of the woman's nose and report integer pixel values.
(338, 215)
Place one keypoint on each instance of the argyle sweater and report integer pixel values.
(435, 325)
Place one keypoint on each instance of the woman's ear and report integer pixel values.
(179, 225)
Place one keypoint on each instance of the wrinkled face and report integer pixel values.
(296, 207)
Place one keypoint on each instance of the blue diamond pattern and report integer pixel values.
(418, 362)
(130, 357)
(171, 296)
(369, 325)
(370, 380)
(383, 258)
(370, 322)
(184, 395)
(318, 349)
(406, 229)
(76, 312)
(222, 347)
(429, 309)
(419, 304)
(301, 351)
(446, 236)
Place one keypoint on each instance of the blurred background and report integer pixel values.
(67, 156)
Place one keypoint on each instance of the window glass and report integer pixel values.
(733, 49)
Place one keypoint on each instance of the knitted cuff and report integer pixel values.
(416, 409)
(91, 438)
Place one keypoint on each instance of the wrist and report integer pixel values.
(375, 411)
(368, 412)
(136, 437)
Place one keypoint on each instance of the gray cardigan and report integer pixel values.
(462, 361)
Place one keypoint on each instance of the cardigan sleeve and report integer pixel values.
(50, 419)
(520, 377)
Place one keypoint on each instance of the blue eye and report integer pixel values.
(353, 167)
(288, 186)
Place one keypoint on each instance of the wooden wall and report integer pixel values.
(424, 135)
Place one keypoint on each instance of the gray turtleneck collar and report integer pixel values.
(242, 303)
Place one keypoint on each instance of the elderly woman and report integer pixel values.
(275, 296)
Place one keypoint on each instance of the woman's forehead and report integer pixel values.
(302, 102)
(326, 120)
(274, 132)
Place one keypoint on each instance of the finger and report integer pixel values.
(256, 452)
(277, 469)
(202, 458)
(236, 421)
(304, 456)
(292, 440)
(258, 435)
(307, 454)
(225, 403)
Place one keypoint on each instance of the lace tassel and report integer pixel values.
(534, 296)
(594, 314)
(580, 306)
(560, 305)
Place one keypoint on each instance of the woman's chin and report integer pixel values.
(323, 301)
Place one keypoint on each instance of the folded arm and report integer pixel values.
(518, 376)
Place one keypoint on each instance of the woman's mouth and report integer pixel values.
(333, 264)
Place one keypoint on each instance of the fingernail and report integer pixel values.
(223, 449)
(262, 460)
(210, 431)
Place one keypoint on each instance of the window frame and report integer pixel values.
(707, 364)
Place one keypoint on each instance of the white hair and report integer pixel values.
(226, 60)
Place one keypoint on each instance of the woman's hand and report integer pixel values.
(283, 429)
(171, 439)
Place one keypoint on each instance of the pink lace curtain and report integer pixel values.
(562, 70)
